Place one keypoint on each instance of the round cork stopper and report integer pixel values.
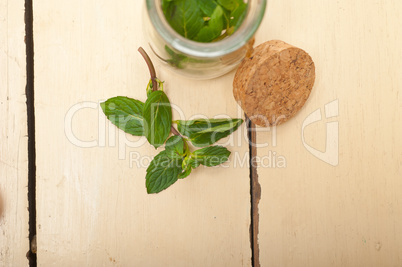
(273, 84)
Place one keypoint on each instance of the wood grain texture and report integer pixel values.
(92, 207)
(14, 243)
(350, 214)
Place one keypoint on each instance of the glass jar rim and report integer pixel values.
(226, 46)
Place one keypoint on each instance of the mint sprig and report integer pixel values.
(153, 119)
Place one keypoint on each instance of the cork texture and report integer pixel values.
(274, 83)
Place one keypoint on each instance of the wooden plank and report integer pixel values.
(92, 206)
(350, 214)
(14, 243)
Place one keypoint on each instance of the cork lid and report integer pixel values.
(274, 83)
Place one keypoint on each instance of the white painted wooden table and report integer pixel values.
(93, 208)
(313, 213)
(331, 177)
(14, 242)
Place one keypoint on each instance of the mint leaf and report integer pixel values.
(126, 113)
(162, 172)
(203, 20)
(185, 17)
(226, 19)
(210, 156)
(158, 118)
(207, 6)
(186, 172)
(230, 4)
(238, 15)
(187, 166)
(165, 5)
(204, 132)
(175, 147)
(176, 60)
(214, 28)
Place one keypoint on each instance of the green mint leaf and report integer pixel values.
(187, 166)
(179, 60)
(185, 173)
(207, 6)
(238, 15)
(203, 20)
(185, 17)
(175, 147)
(214, 28)
(165, 5)
(176, 60)
(230, 4)
(204, 132)
(211, 156)
(158, 118)
(162, 172)
(194, 163)
(126, 113)
(226, 19)
(149, 92)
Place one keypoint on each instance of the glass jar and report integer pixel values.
(200, 60)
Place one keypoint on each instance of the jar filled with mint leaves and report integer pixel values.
(202, 39)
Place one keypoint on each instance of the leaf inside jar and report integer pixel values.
(204, 20)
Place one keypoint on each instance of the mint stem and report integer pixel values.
(150, 67)
(152, 72)
(174, 131)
